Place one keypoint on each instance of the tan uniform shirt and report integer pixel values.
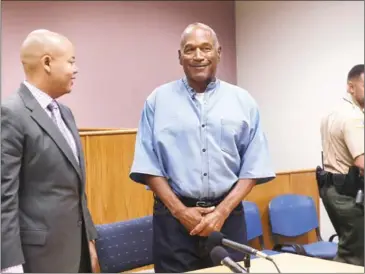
(342, 133)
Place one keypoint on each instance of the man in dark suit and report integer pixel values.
(46, 225)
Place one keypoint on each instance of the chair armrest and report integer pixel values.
(299, 249)
(332, 237)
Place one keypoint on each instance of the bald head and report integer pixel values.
(49, 62)
(38, 44)
(199, 55)
(200, 27)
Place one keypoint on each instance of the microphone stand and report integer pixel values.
(247, 262)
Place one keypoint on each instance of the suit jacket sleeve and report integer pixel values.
(11, 158)
(90, 227)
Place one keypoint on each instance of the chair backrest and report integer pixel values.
(253, 222)
(292, 215)
(126, 245)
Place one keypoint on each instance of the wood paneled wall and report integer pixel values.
(112, 196)
(92, 129)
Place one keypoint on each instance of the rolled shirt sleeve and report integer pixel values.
(145, 159)
(256, 161)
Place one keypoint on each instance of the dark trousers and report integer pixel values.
(347, 219)
(175, 251)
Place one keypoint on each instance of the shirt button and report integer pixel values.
(205, 174)
(203, 149)
(203, 125)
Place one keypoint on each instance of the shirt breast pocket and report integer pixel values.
(232, 135)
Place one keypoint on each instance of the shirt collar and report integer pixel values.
(350, 99)
(42, 98)
(211, 86)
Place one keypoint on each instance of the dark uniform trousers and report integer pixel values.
(175, 251)
(348, 220)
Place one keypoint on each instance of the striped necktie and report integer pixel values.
(57, 119)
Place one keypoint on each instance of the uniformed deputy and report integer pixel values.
(342, 133)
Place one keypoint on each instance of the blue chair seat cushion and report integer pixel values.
(320, 249)
(125, 245)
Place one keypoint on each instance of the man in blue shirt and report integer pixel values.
(201, 149)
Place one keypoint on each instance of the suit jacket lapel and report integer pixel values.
(70, 123)
(44, 121)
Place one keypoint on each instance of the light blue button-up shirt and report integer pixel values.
(202, 147)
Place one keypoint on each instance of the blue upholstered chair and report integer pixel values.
(123, 246)
(254, 226)
(293, 215)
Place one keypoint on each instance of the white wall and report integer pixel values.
(293, 57)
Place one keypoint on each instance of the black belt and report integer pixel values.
(191, 202)
(325, 178)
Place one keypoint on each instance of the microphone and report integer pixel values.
(220, 256)
(217, 238)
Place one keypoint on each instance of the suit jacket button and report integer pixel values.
(79, 223)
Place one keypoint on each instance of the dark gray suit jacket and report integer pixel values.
(43, 201)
